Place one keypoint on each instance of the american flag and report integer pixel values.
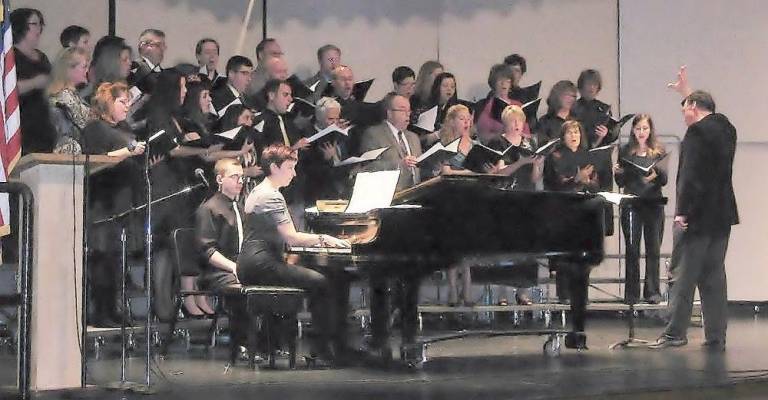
(10, 132)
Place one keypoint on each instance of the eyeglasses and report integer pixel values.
(149, 43)
(237, 177)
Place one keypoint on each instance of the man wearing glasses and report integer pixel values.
(239, 71)
(145, 71)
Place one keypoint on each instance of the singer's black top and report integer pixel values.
(100, 137)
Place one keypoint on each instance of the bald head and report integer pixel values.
(277, 68)
(343, 81)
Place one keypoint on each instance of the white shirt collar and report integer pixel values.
(152, 67)
(233, 90)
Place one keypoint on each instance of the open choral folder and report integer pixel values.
(426, 121)
(372, 190)
(369, 155)
(161, 143)
(331, 133)
(439, 152)
(643, 169)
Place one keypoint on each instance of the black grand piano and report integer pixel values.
(447, 219)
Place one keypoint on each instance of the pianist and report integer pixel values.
(268, 228)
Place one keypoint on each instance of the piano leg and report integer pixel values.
(409, 292)
(578, 278)
(380, 314)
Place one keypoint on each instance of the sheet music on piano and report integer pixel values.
(372, 190)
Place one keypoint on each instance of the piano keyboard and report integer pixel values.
(320, 250)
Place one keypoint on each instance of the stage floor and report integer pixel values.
(473, 368)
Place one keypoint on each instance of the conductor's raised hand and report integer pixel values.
(681, 84)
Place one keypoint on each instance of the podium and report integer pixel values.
(56, 180)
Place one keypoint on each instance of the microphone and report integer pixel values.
(200, 174)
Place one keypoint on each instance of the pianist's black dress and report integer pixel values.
(261, 263)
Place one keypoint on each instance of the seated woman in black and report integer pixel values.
(110, 191)
(642, 150)
(568, 169)
(268, 228)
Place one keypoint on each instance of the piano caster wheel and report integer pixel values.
(552, 346)
(414, 355)
(576, 340)
(98, 343)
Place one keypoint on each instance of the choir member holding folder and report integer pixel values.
(458, 127)
(239, 70)
(500, 82)
(642, 171)
(328, 142)
(111, 191)
(560, 101)
(524, 165)
(569, 169)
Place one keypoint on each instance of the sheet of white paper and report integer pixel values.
(135, 94)
(614, 198)
(373, 190)
(223, 110)
(427, 119)
(259, 127)
(367, 156)
(327, 130)
(230, 134)
(314, 86)
(546, 146)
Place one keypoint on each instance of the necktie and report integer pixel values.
(405, 152)
(403, 148)
(239, 227)
(286, 141)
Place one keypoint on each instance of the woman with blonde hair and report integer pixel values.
(69, 112)
(457, 126)
(527, 171)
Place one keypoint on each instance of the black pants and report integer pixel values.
(647, 221)
(328, 291)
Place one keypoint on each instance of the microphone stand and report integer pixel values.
(123, 384)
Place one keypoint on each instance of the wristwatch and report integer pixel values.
(131, 146)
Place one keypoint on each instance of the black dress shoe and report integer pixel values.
(665, 341)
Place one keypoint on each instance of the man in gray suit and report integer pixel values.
(404, 148)
(404, 145)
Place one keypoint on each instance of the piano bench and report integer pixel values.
(272, 318)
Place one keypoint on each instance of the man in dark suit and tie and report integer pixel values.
(404, 145)
(705, 211)
(328, 57)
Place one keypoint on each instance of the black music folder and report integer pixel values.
(530, 109)
(480, 155)
(298, 88)
(544, 150)
(332, 133)
(644, 168)
(439, 153)
(526, 94)
(161, 143)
